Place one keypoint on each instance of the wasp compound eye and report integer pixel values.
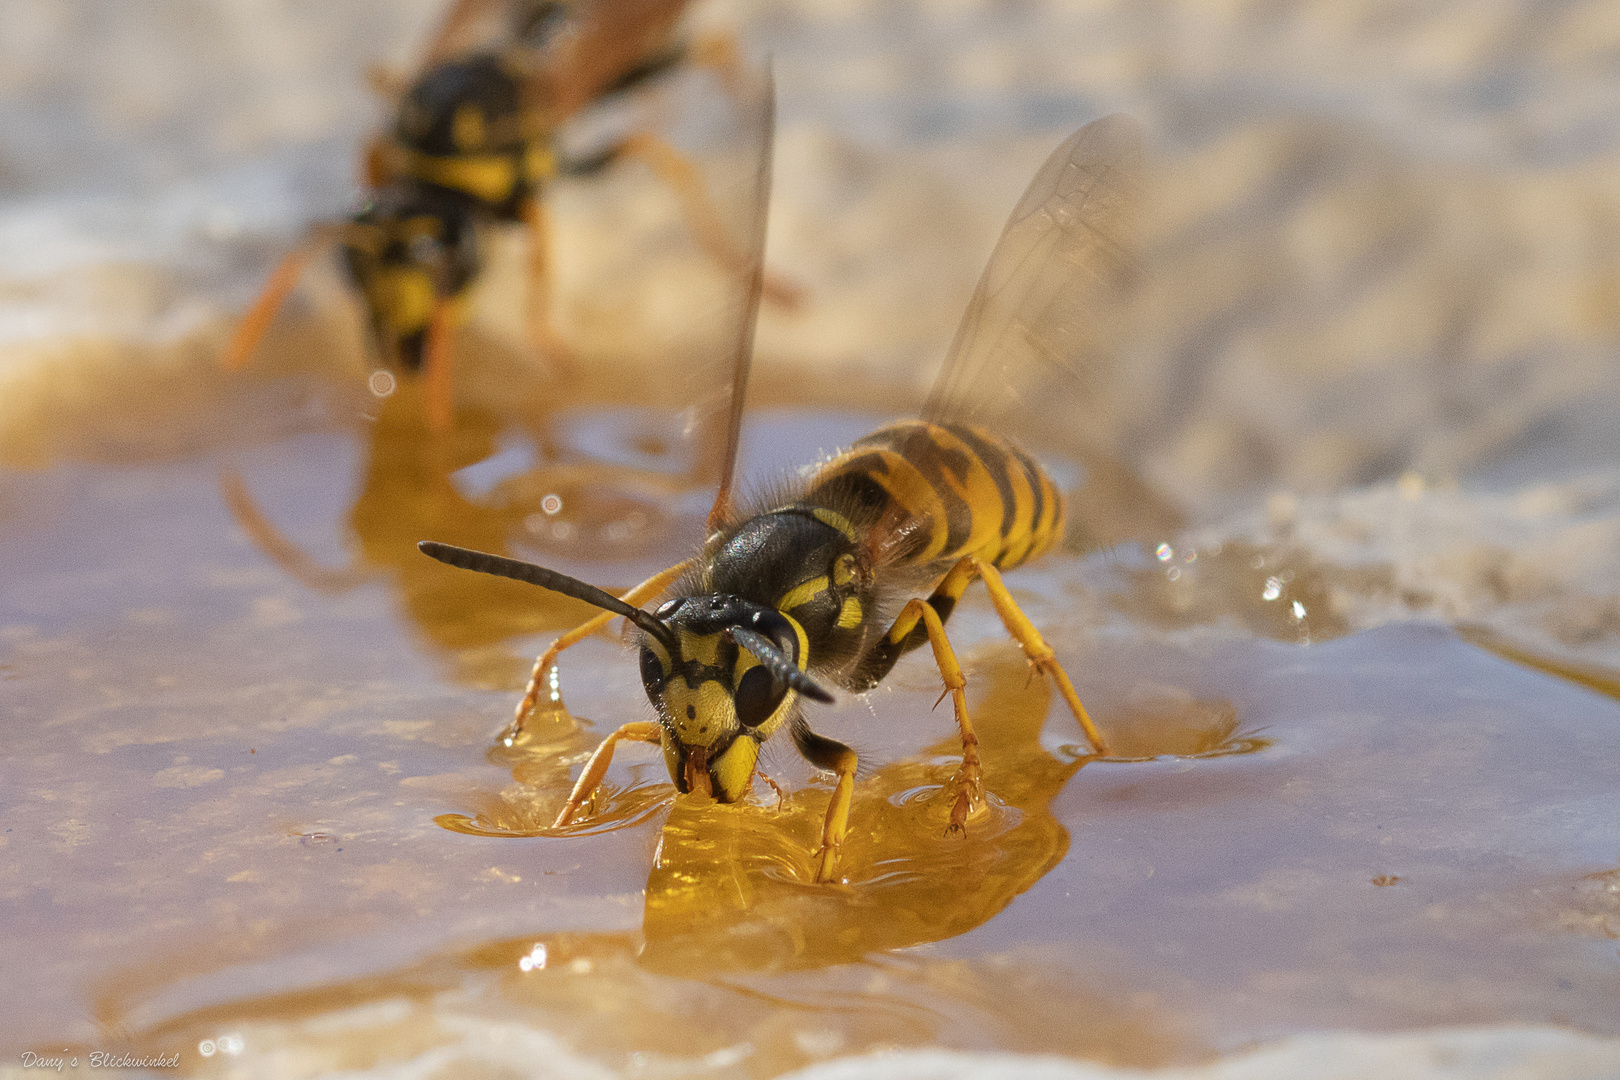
(757, 696)
(652, 672)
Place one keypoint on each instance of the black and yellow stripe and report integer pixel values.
(950, 491)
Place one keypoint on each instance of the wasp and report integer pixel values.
(824, 587)
(473, 143)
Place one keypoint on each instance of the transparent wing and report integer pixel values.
(1041, 329)
(1042, 332)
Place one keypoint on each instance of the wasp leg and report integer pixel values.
(280, 550)
(781, 796)
(969, 779)
(1040, 654)
(546, 664)
(646, 731)
(682, 177)
(253, 325)
(379, 163)
(921, 621)
(439, 399)
(537, 301)
(835, 757)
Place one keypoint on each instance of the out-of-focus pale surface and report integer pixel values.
(1375, 364)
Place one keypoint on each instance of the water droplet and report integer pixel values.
(1272, 590)
(1299, 610)
(551, 504)
(1165, 552)
(382, 383)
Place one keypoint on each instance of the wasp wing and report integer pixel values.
(1042, 326)
(1043, 329)
(751, 205)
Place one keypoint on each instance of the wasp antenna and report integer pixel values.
(781, 668)
(500, 566)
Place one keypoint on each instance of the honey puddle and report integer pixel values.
(250, 793)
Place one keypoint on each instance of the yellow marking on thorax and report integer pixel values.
(804, 641)
(802, 593)
(849, 617)
(837, 521)
(490, 178)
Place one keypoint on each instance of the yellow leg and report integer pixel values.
(537, 301)
(682, 177)
(836, 825)
(969, 779)
(439, 399)
(1040, 654)
(379, 163)
(282, 279)
(641, 731)
(545, 667)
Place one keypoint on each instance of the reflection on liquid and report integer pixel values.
(730, 889)
(252, 843)
(728, 901)
(416, 486)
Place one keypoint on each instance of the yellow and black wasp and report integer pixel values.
(826, 586)
(473, 143)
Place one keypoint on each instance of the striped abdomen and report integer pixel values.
(950, 489)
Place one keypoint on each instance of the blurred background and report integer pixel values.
(1381, 241)
(1383, 235)
(1374, 362)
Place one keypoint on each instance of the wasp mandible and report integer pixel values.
(473, 142)
(783, 604)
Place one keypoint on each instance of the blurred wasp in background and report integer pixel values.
(827, 581)
(474, 142)
(588, 468)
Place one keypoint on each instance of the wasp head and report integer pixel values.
(725, 674)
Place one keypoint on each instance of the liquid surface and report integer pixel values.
(254, 788)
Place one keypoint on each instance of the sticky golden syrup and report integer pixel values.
(250, 805)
